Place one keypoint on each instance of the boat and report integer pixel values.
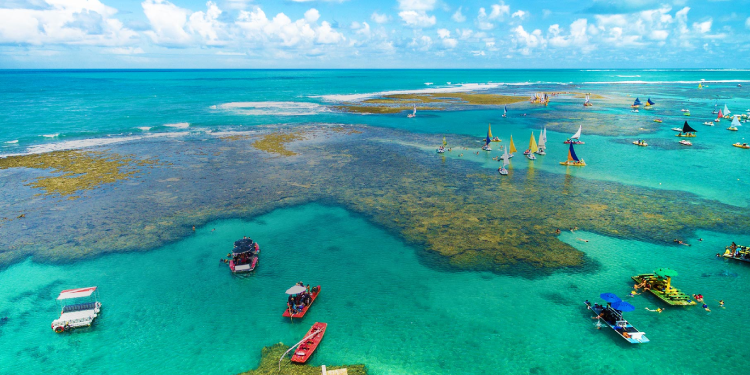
(684, 110)
(288, 313)
(686, 114)
(244, 256)
(659, 284)
(311, 341)
(575, 138)
(533, 148)
(719, 116)
(735, 123)
(649, 104)
(741, 145)
(587, 103)
(726, 111)
(686, 142)
(737, 252)
(413, 114)
(505, 158)
(677, 129)
(708, 123)
(657, 120)
(511, 148)
(80, 307)
(640, 142)
(635, 110)
(505, 111)
(611, 315)
(636, 103)
(739, 85)
(542, 142)
(573, 160)
(700, 86)
(441, 149)
(489, 134)
(686, 131)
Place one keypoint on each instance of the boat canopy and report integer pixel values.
(687, 129)
(572, 154)
(76, 293)
(609, 297)
(623, 306)
(297, 289)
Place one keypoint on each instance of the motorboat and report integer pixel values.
(80, 307)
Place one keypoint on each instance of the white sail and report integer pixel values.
(505, 158)
(505, 110)
(415, 110)
(736, 121)
(578, 133)
(726, 110)
(541, 139)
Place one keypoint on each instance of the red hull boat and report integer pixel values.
(307, 348)
(302, 313)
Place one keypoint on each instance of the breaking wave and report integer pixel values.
(272, 108)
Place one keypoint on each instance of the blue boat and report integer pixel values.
(611, 316)
(636, 103)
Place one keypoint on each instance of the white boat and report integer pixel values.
(684, 110)
(79, 309)
(677, 129)
(685, 142)
(635, 110)
(542, 142)
(504, 171)
(735, 123)
(413, 114)
(441, 149)
(708, 123)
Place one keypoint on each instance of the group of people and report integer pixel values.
(737, 251)
(244, 251)
(297, 302)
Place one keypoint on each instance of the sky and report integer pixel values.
(254, 34)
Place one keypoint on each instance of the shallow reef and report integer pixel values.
(435, 102)
(269, 364)
(460, 216)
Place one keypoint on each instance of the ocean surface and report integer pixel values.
(175, 309)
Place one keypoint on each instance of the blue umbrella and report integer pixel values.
(623, 306)
(610, 297)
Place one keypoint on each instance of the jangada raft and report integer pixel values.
(80, 308)
(575, 139)
(659, 284)
(611, 315)
(573, 160)
(244, 256)
(687, 130)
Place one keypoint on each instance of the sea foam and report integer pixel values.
(181, 125)
(273, 108)
(434, 90)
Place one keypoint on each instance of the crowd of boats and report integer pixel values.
(686, 131)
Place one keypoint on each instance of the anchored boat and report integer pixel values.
(414, 113)
(640, 142)
(244, 256)
(505, 158)
(587, 103)
(542, 142)
(741, 145)
(300, 300)
(489, 134)
(735, 124)
(611, 315)
(573, 160)
(737, 252)
(505, 111)
(80, 307)
(511, 148)
(659, 284)
(441, 149)
(311, 341)
(649, 104)
(575, 139)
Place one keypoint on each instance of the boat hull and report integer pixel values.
(642, 144)
(307, 348)
(302, 313)
(574, 142)
(573, 163)
(741, 146)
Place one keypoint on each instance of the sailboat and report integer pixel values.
(489, 134)
(726, 111)
(413, 114)
(735, 124)
(687, 131)
(700, 85)
(505, 111)
(441, 149)
(532, 148)
(511, 147)
(542, 142)
(636, 103)
(587, 103)
(575, 138)
(503, 171)
(573, 160)
(487, 141)
(649, 103)
(719, 116)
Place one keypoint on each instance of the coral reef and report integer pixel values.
(269, 365)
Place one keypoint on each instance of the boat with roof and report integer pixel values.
(735, 123)
(686, 131)
(659, 283)
(80, 307)
(573, 160)
(533, 148)
(506, 162)
(244, 256)
(737, 252)
(300, 299)
(542, 142)
(575, 139)
(611, 316)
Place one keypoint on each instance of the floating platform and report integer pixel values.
(671, 296)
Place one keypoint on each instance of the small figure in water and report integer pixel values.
(213, 230)
(705, 307)
(633, 293)
(557, 231)
(588, 304)
(721, 303)
(659, 310)
(581, 239)
(193, 228)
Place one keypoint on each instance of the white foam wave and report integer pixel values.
(273, 108)
(51, 135)
(13, 141)
(87, 143)
(664, 82)
(144, 128)
(436, 90)
(181, 125)
(635, 76)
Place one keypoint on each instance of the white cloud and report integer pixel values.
(65, 22)
(520, 14)
(326, 35)
(577, 37)
(418, 5)
(445, 37)
(361, 29)
(459, 17)
(125, 50)
(312, 15)
(483, 21)
(379, 18)
(422, 43)
(498, 13)
(703, 27)
(257, 28)
(526, 41)
(167, 22)
(477, 53)
(464, 34)
(417, 19)
(747, 22)
(444, 33)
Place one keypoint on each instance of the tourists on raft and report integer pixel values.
(297, 302)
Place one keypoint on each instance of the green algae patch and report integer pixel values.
(75, 171)
(275, 143)
(397, 103)
(374, 109)
(269, 365)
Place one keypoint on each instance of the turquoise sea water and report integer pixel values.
(176, 309)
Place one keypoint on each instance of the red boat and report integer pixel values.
(310, 343)
(313, 295)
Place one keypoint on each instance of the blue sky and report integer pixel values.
(374, 34)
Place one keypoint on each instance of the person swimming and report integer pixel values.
(659, 310)
(705, 307)
(721, 303)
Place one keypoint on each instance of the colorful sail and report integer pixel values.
(506, 159)
(649, 102)
(700, 85)
(444, 142)
(572, 154)
(505, 110)
(687, 129)
(487, 141)
(726, 110)
(720, 114)
(511, 146)
(532, 144)
(578, 133)
(489, 131)
(415, 110)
